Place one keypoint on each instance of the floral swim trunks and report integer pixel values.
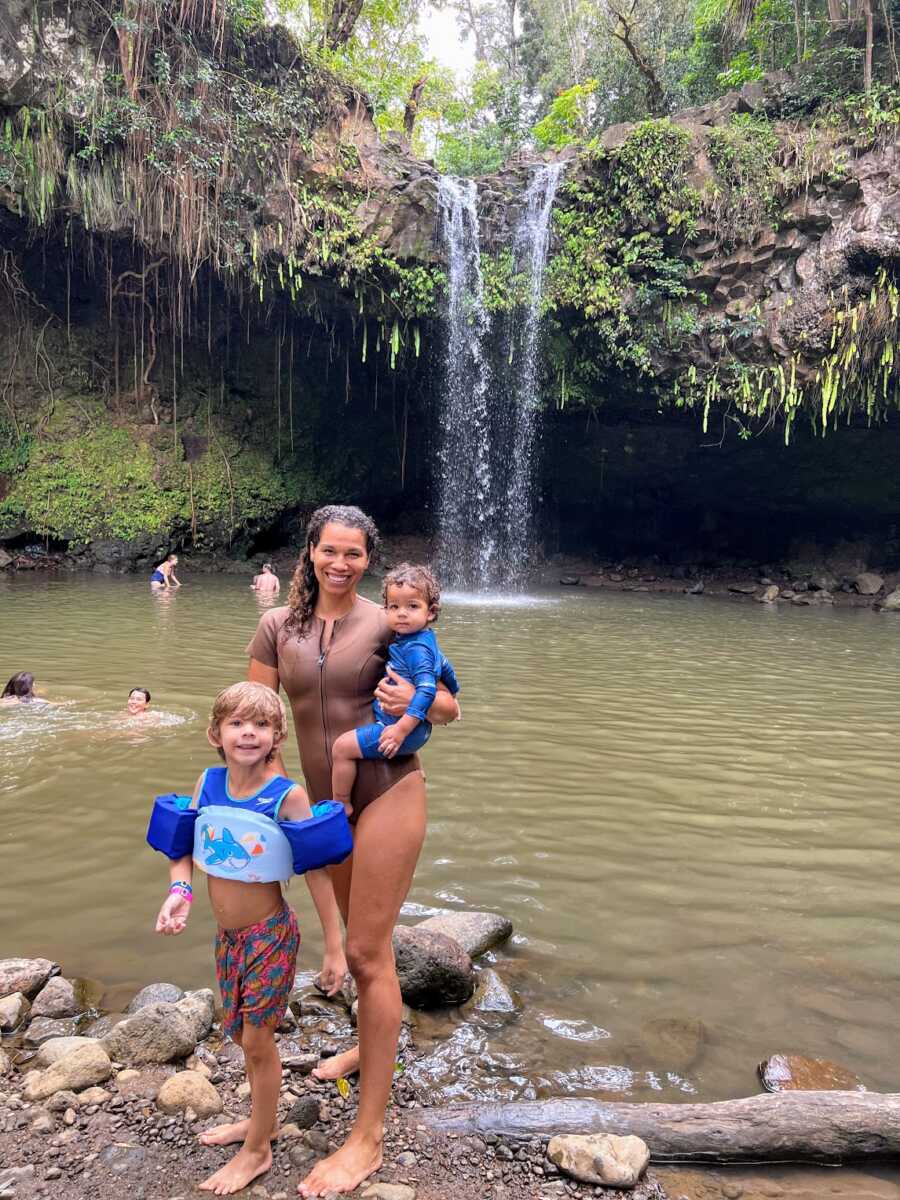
(255, 970)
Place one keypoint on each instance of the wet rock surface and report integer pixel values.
(433, 969)
(476, 932)
(795, 1073)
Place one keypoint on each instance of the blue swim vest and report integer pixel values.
(242, 839)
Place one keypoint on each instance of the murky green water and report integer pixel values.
(687, 808)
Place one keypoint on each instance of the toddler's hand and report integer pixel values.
(390, 741)
(174, 914)
(334, 970)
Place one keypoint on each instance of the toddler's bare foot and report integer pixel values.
(339, 1066)
(246, 1166)
(344, 1170)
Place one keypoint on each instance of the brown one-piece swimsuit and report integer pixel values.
(330, 686)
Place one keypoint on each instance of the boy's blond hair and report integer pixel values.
(416, 576)
(250, 700)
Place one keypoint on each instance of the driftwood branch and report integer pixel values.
(786, 1127)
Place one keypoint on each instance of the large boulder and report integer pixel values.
(14, 1011)
(891, 602)
(199, 1009)
(158, 1033)
(155, 993)
(602, 1158)
(55, 1049)
(78, 1069)
(868, 583)
(189, 1089)
(25, 975)
(476, 932)
(56, 999)
(433, 969)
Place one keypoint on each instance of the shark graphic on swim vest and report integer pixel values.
(225, 851)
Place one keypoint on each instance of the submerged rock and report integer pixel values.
(674, 1043)
(476, 932)
(56, 999)
(769, 595)
(602, 1158)
(492, 995)
(433, 969)
(795, 1073)
(25, 975)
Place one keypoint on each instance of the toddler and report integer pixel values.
(412, 601)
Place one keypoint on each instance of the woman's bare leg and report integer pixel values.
(340, 1065)
(389, 836)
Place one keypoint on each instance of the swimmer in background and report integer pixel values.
(267, 582)
(164, 575)
(412, 601)
(20, 690)
(138, 702)
(257, 937)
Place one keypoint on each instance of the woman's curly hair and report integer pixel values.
(304, 591)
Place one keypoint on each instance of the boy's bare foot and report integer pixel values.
(225, 1135)
(246, 1166)
(339, 1066)
(344, 1170)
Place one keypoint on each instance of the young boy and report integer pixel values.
(412, 601)
(257, 938)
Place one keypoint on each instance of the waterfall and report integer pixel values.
(488, 419)
(530, 244)
(465, 495)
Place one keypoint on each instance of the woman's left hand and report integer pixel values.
(394, 693)
(334, 970)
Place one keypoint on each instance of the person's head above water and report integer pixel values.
(138, 701)
(412, 598)
(340, 542)
(247, 718)
(268, 567)
(20, 687)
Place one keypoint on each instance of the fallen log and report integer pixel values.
(828, 1127)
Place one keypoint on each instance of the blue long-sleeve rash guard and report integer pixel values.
(417, 657)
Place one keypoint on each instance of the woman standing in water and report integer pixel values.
(164, 575)
(328, 648)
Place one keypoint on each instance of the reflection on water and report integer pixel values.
(687, 809)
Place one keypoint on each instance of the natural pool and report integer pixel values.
(684, 805)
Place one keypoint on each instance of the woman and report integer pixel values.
(20, 690)
(267, 583)
(328, 649)
(164, 575)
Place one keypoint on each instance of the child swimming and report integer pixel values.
(257, 938)
(412, 601)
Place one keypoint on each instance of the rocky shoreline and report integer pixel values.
(97, 1104)
(842, 580)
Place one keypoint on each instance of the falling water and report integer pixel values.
(530, 245)
(488, 419)
(465, 500)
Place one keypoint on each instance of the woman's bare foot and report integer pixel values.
(339, 1066)
(344, 1170)
(246, 1166)
(224, 1135)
